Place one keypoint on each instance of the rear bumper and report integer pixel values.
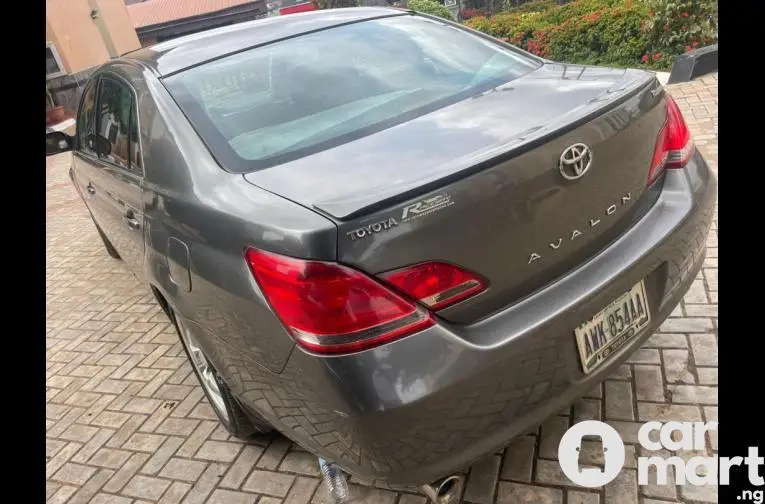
(433, 403)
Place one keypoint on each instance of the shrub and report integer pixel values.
(606, 32)
(536, 6)
(431, 7)
(468, 13)
(677, 26)
(609, 36)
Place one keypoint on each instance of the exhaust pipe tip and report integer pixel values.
(445, 491)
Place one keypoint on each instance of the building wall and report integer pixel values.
(77, 37)
(115, 15)
(83, 43)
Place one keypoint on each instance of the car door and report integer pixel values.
(109, 166)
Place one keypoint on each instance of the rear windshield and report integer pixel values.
(276, 103)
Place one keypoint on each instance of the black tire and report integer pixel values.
(236, 421)
(107, 244)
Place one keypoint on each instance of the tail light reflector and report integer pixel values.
(436, 284)
(329, 308)
(674, 145)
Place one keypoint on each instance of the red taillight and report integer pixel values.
(674, 145)
(436, 284)
(329, 308)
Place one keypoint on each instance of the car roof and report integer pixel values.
(172, 56)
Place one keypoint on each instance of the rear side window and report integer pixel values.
(292, 98)
(85, 121)
(116, 124)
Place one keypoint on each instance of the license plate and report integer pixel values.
(612, 327)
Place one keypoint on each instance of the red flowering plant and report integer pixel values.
(622, 33)
(678, 26)
(468, 13)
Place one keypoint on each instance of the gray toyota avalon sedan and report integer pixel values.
(397, 241)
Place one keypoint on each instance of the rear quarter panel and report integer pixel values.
(206, 217)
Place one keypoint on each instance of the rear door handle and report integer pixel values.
(133, 223)
(90, 188)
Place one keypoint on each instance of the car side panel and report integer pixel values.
(199, 219)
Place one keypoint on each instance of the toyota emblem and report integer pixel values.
(575, 161)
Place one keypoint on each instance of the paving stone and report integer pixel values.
(219, 451)
(677, 366)
(707, 376)
(587, 409)
(273, 455)
(110, 458)
(367, 495)
(645, 356)
(627, 430)
(183, 469)
(146, 487)
(667, 340)
(205, 484)
(242, 466)
(158, 459)
(301, 463)
(686, 325)
(649, 384)
(175, 493)
(575, 497)
(623, 489)
(668, 412)
(549, 472)
(103, 498)
(618, 400)
(518, 461)
(144, 442)
(74, 474)
(551, 433)
(692, 394)
(482, 480)
(303, 489)
(653, 489)
(269, 483)
(518, 493)
(221, 496)
(700, 493)
(704, 348)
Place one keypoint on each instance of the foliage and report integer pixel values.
(677, 26)
(536, 6)
(468, 13)
(335, 4)
(606, 32)
(431, 7)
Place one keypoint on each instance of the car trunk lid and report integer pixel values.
(479, 184)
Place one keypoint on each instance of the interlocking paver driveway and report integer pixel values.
(126, 421)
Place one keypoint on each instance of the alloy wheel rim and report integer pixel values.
(207, 375)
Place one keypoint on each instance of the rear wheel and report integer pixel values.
(229, 412)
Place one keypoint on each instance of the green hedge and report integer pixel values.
(629, 33)
(431, 7)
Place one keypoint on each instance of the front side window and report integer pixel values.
(114, 125)
(289, 99)
(85, 121)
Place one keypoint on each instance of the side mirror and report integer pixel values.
(57, 142)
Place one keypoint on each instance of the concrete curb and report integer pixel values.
(694, 64)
